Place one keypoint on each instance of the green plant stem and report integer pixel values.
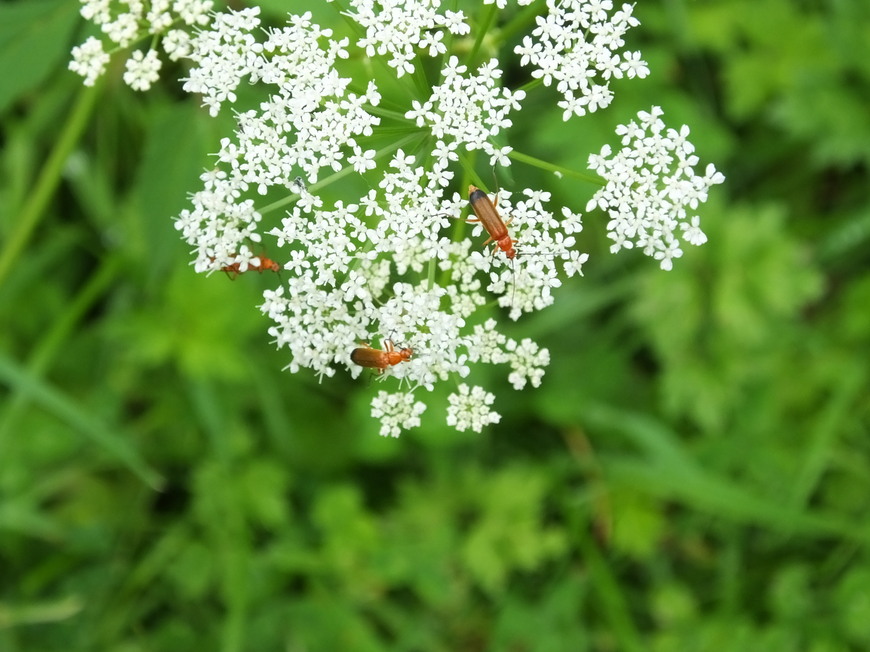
(520, 22)
(612, 596)
(388, 113)
(48, 179)
(531, 84)
(544, 165)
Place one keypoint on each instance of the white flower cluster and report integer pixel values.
(391, 266)
(380, 266)
(469, 409)
(501, 4)
(399, 28)
(468, 110)
(397, 412)
(545, 246)
(127, 21)
(343, 291)
(650, 184)
(306, 124)
(577, 43)
(224, 54)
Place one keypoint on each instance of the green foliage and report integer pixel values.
(39, 26)
(693, 474)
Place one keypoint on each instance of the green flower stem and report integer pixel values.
(519, 23)
(487, 20)
(48, 180)
(550, 167)
(387, 113)
(531, 84)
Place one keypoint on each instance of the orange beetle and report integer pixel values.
(487, 215)
(366, 356)
(266, 264)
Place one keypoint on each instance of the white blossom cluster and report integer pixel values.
(383, 265)
(650, 184)
(545, 246)
(308, 123)
(394, 267)
(124, 22)
(501, 4)
(397, 412)
(577, 44)
(344, 286)
(469, 409)
(399, 28)
(470, 110)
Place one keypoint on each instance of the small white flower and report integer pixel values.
(96, 11)
(124, 29)
(89, 60)
(469, 409)
(397, 412)
(650, 184)
(500, 156)
(142, 70)
(193, 12)
(398, 28)
(362, 160)
(176, 44)
(692, 232)
(576, 45)
(159, 16)
(528, 361)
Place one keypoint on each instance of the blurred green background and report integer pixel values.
(694, 473)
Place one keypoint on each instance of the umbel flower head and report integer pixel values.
(651, 182)
(393, 278)
(125, 22)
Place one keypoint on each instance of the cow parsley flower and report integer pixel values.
(89, 60)
(142, 70)
(397, 412)
(398, 29)
(124, 22)
(470, 110)
(469, 409)
(361, 198)
(650, 187)
(576, 44)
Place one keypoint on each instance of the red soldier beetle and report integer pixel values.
(266, 264)
(366, 356)
(486, 213)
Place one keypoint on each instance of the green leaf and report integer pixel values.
(34, 39)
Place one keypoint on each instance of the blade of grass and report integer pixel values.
(614, 602)
(820, 450)
(50, 345)
(669, 472)
(65, 409)
(48, 180)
